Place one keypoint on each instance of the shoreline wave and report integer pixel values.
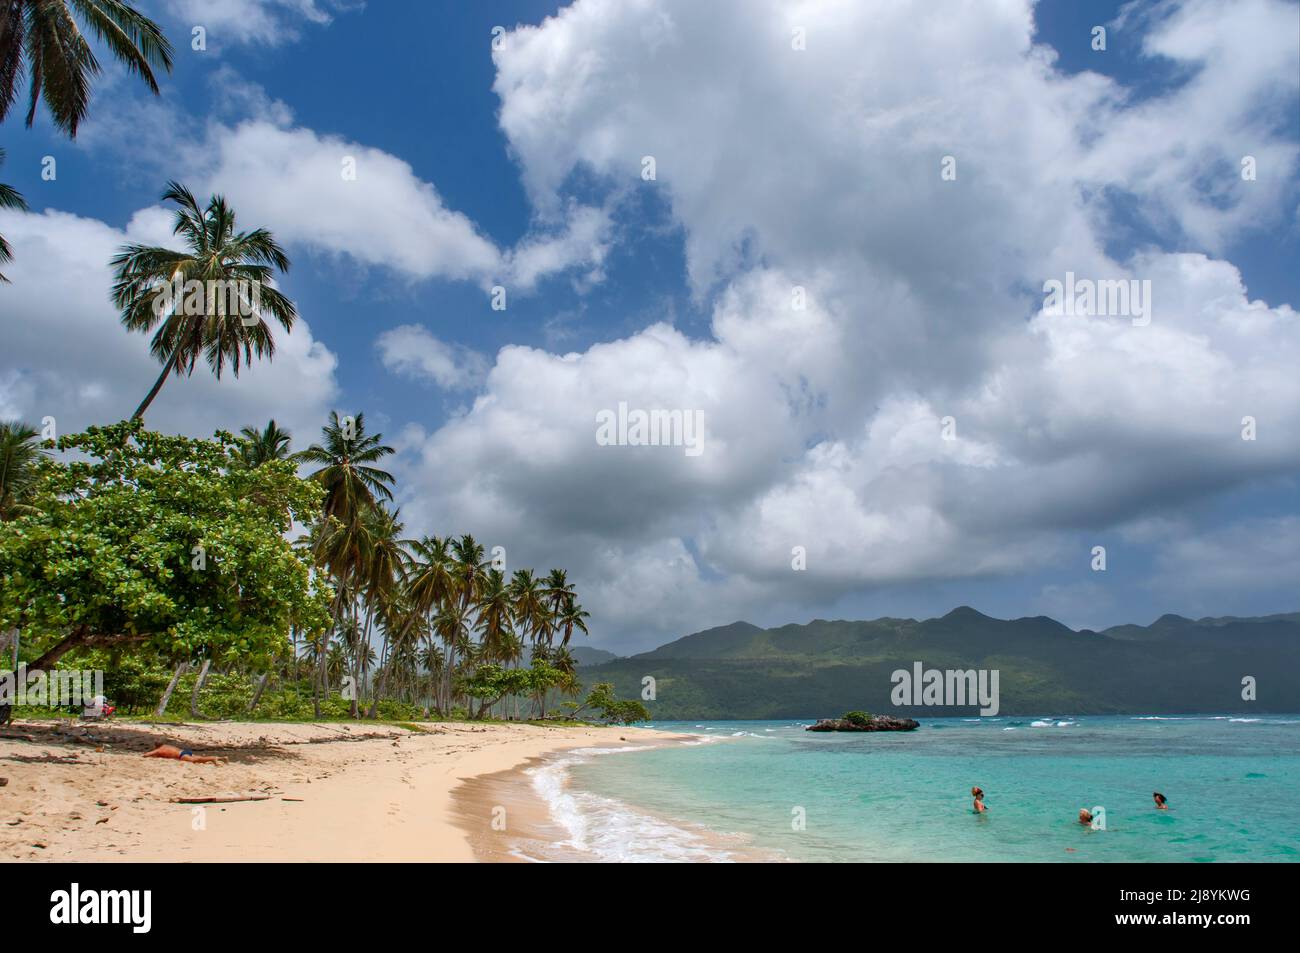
(610, 830)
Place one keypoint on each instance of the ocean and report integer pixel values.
(743, 790)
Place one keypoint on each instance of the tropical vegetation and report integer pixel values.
(167, 562)
(9, 198)
(200, 318)
(46, 40)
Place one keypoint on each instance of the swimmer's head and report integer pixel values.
(1159, 798)
(977, 792)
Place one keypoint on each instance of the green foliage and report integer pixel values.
(490, 683)
(164, 544)
(603, 698)
(49, 41)
(858, 717)
(135, 688)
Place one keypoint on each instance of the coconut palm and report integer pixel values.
(454, 625)
(558, 588)
(382, 573)
(496, 617)
(470, 569)
(262, 446)
(563, 660)
(430, 573)
(339, 550)
(405, 628)
(433, 660)
(529, 605)
(19, 452)
(572, 616)
(9, 198)
(44, 39)
(198, 322)
(431, 587)
(346, 456)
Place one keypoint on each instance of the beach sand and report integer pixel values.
(329, 791)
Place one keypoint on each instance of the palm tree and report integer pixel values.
(430, 573)
(262, 446)
(558, 588)
(434, 661)
(529, 604)
(346, 456)
(383, 572)
(353, 529)
(197, 322)
(404, 629)
(454, 626)
(19, 452)
(572, 616)
(44, 36)
(470, 569)
(563, 660)
(431, 589)
(496, 619)
(9, 198)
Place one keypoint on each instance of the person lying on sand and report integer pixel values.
(978, 795)
(177, 754)
(1160, 800)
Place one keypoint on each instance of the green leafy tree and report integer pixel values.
(603, 699)
(490, 683)
(45, 38)
(161, 544)
(858, 717)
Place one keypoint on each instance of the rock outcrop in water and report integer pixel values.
(874, 723)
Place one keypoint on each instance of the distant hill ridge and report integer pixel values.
(825, 667)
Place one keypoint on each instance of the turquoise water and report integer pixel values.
(1233, 785)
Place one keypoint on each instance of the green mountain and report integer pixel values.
(825, 668)
(586, 655)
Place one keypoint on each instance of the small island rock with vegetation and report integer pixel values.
(863, 721)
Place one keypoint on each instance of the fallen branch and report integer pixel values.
(220, 799)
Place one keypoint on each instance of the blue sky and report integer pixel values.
(661, 550)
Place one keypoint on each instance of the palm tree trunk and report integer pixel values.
(171, 687)
(257, 694)
(315, 689)
(322, 671)
(157, 385)
(198, 686)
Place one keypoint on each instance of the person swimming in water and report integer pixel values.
(978, 795)
(1161, 801)
(1085, 816)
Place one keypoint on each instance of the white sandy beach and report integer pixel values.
(327, 791)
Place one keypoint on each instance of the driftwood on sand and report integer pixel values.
(221, 799)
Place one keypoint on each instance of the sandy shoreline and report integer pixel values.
(326, 791)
